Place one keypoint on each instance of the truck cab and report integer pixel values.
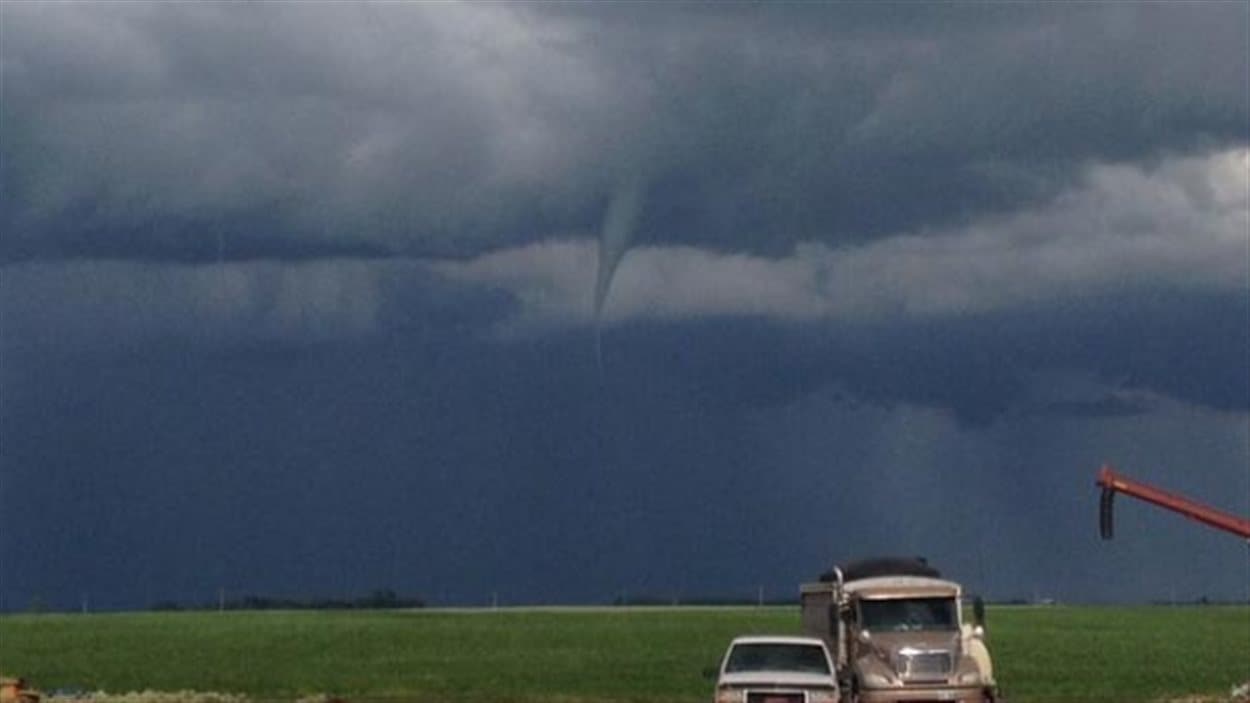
(899, 636)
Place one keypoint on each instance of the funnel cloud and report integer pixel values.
(614, 238)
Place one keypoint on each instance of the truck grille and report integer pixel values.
(924, 665)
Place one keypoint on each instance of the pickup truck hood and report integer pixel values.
(777, 678)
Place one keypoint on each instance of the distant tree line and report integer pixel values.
(654, 600)
(1200, 600)
(381, 599)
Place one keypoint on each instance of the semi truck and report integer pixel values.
(897, 632)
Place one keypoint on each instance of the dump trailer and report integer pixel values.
(896, 629)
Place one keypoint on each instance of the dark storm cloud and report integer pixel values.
(813, 124)
(979, 368)
(151, 131)
(432, 462)
(1106, 406)
(144, 311)
(337, 127)
(436, 463)
(308, 278)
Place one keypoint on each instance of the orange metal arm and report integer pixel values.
(1112, 482)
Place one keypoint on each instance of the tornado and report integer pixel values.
(614, 238)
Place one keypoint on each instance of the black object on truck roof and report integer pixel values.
(883, 566)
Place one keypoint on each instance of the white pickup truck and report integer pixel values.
(768, 669)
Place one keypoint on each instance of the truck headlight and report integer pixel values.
(969, 678)
(726, 694)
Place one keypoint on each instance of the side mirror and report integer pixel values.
(978, 632)
(978, 612)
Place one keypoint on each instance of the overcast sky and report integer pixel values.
(560, 301)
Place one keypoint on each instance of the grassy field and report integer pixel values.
(1061, 654)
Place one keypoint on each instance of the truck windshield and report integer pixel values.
(804, 658)
(906, 614)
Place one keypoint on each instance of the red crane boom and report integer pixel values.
(1112, 482)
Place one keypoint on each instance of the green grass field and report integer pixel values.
(1061, 654)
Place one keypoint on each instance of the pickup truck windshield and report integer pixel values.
(907, 614)
(805, 658)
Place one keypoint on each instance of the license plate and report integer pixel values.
(774, 698)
